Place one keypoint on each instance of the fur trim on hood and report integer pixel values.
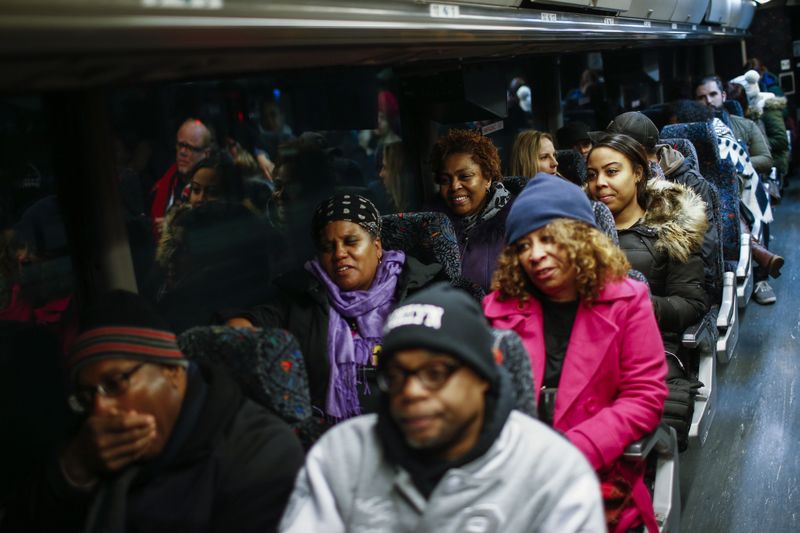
(171, 241)
(678, 215)
(776, 102)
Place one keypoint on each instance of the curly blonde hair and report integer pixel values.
(596, 258)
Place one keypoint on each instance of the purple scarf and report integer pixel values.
(368, 309)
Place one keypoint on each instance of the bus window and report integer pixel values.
(36, 278)
(219, 181)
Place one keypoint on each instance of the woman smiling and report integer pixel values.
(337, 304)
(661, 227)
(466, 168)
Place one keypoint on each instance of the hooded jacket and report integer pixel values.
(301, 307)
(528, 480)
(678, 170)
(664, 245)
(775, 131)
(228, 466)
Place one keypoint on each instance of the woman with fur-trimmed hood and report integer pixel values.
(661, 226)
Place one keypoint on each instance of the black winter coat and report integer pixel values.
(678, 170)
(665, 246)
(229, 466)
(302, 308)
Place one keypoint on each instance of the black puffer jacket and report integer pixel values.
(678, 170)
(302, 308)
(665, 246)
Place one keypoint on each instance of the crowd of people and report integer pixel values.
(598, 273)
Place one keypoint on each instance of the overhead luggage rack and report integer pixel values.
(52, 43)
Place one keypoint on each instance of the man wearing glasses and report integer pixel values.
(164, 444)
(445, 452)
(193, 144)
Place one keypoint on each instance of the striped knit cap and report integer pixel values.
(122, 325)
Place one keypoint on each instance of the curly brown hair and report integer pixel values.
(471, 142)
(596, 258)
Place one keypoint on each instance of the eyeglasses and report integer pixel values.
(82, 398)
(432, 376)
(186, 146)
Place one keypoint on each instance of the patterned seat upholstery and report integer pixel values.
(721, 174)
(605, 220)
(517, 361)
(572, 165)
(713, 265)
(733, 107)
(638, 276)
(266, 363)
(427, 236)
(515, 184)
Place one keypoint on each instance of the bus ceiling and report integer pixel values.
(67, 44)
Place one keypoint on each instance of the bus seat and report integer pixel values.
(661, 446)
(736, 252)
(713, 265)
(700, 340)
(427, 236)
(572, 165)
(515, 184)
(605, 220)
(728, 320)
(733, 107)
(266, 363)
(518, 364)
(638, 276)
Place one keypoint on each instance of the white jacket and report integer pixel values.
(530, 480)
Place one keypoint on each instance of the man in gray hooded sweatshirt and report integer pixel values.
(445, 452)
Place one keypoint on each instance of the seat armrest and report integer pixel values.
(703, 333)
(659, 440)
(725, 315)
(743, 266)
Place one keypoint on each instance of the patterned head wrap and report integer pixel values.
(348, 207)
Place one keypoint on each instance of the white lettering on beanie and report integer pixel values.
(415, 315)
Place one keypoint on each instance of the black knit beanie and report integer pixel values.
(447, 320)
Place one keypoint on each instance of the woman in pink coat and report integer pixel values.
(595, 348)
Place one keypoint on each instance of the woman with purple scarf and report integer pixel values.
(337, 304)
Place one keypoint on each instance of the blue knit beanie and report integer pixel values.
(545, 198)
